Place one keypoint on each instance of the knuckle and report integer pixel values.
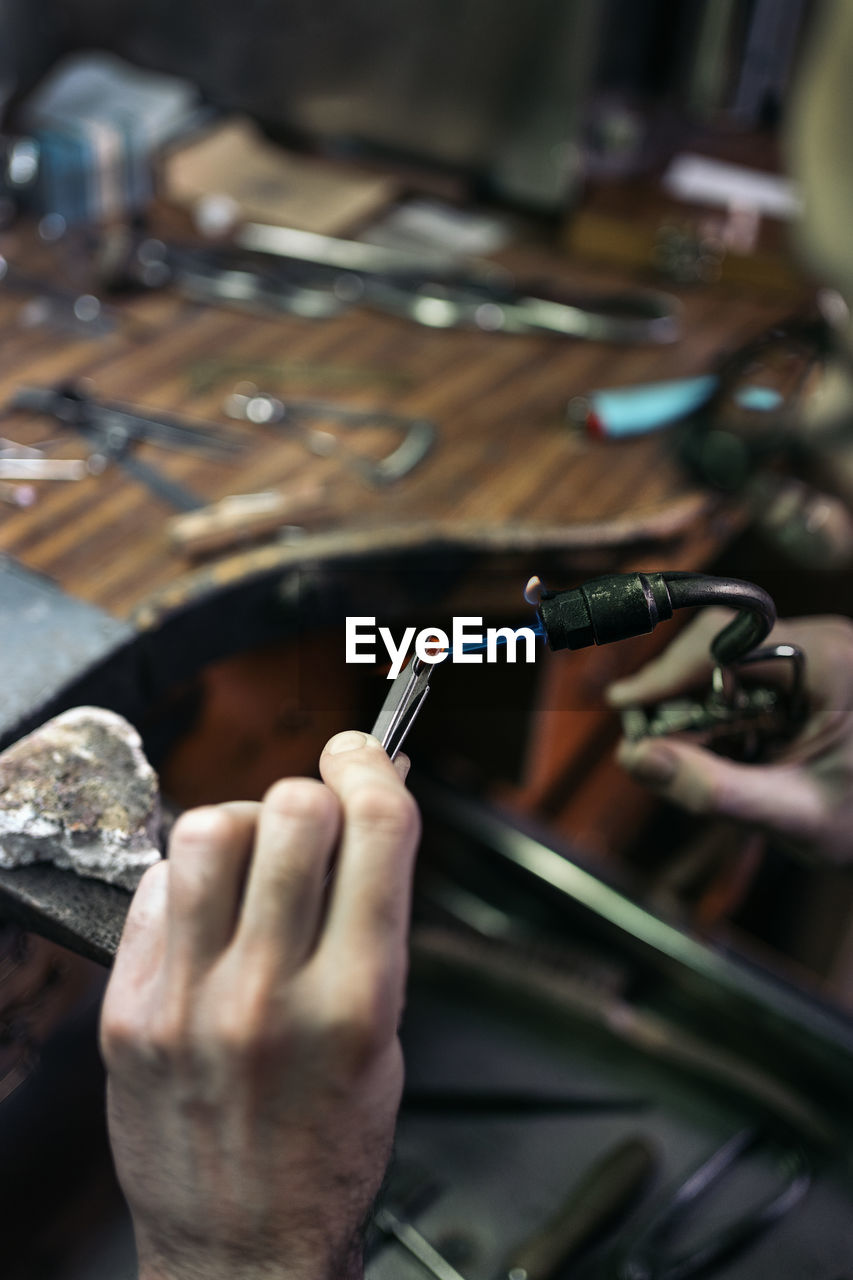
(167, 1038)
(118, 1034)
(357, 1020)
(243, 1045)
(388, 810)
(209, 824)
(239, 1037)
(148, 905)
(197, 861)
(354, 1039)
(159, 1042)
(149, 883)
(250, 1022)
(166, 1031)
(303, 799)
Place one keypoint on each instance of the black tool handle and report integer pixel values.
(603, 1195)
(161, 486)
(621, 605)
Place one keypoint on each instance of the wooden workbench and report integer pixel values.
(506, 471)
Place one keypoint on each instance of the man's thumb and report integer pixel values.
(782, 798)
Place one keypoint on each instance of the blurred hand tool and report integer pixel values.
(408, 1190)
(244, 517)
(316, 276)
(752, 420)
(787, 465)
(357, 255)
(438, 290)
(76, 408)
(618, 413)
(115, 447)
(12, 449)
(734, 718)
(603, 1196)
(414, 1243)
(214, 274)
(43, 469)
(249, 404)
(23, 462)
(650, 1258)
(112, 429)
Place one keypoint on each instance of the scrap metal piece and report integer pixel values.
(80, 793)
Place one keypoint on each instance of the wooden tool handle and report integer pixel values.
(601, 1197)
(243, 517)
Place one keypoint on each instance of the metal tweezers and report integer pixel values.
(400, 708)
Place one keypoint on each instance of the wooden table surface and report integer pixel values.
(506, 471)
(505, 459)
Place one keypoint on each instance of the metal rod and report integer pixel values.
(415, 1244)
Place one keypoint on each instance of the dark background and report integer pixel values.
(511, 94)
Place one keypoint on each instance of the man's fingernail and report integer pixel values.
(402, 764)
(351, 740)
(654, 764)
(202, 823)
(618, 692)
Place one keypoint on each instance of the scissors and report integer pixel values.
(401, 706)
(651, 1255)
